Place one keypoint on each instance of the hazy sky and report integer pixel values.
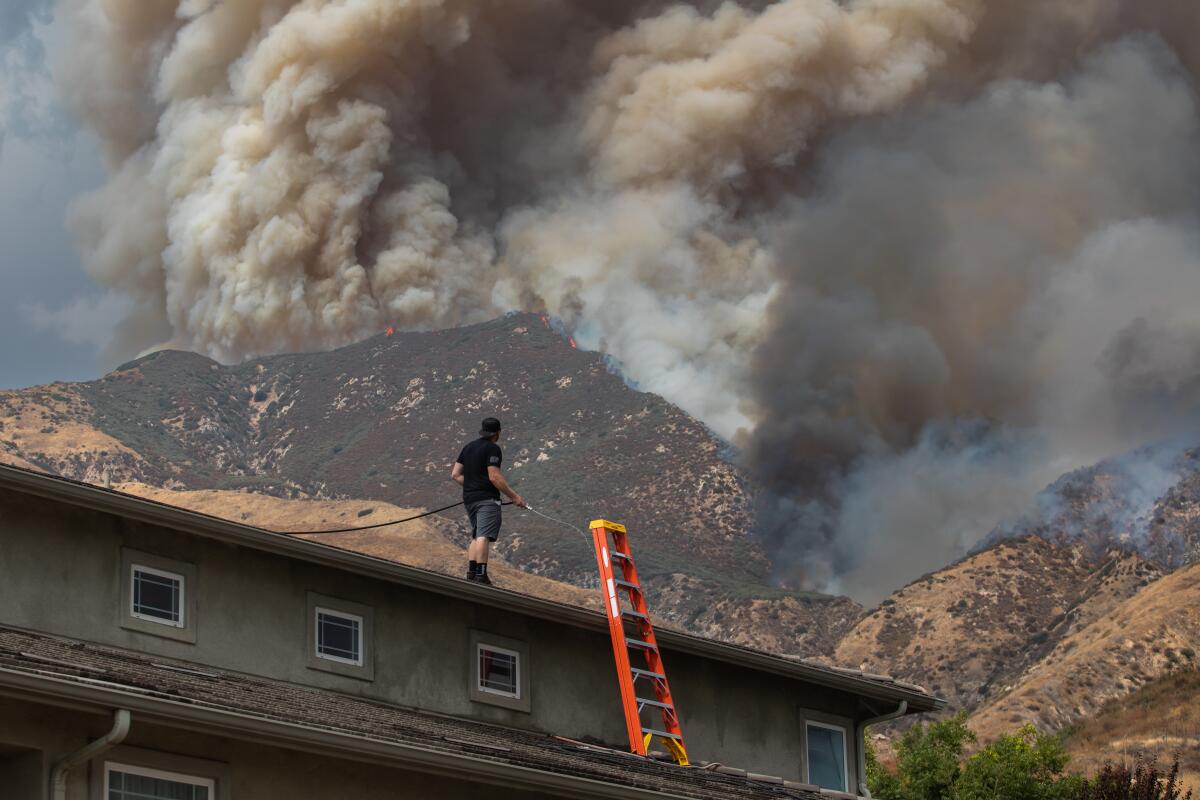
(51, 313)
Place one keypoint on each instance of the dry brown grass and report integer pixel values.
(1161, 719)
(16, 461)
(427, 543)
(969, 630)
(1154, 633)
(39, 424)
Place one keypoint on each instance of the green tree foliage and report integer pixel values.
(1143, 781)
(928, 762)
(930, 766)
(1026, 765)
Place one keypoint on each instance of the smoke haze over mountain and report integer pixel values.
(915, 258)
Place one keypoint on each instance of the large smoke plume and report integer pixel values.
(914, 257)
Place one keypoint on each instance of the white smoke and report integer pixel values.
(833, 231)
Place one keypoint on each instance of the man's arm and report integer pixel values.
(497, 479)
(456, 474)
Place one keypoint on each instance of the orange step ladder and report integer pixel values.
(615, 585)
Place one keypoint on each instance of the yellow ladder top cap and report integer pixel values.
(612, 526)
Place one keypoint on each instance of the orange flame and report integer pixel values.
(545, 320)
(572, 342)
(390, 330)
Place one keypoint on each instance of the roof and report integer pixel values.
(879, 687)
(36, 666)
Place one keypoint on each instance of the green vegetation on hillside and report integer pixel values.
(1026, 765)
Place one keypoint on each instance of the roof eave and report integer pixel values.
(228, 723)
(153, 512)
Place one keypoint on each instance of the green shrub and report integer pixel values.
(930, 766)
(1026, 765)
(928, 759)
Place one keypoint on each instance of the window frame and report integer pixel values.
(155, 774)
(188, 594)
(360, 644)
(477, 640)
(480, 685)
(136, 567)
(364, 668)
(812, 723)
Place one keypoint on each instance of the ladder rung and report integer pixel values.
(620, 556)
(663, 734)
(640, 644)
(635, 615)
(645, 673)
(655, 703)
(628, 585)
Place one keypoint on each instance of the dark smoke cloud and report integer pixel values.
(915, 257)
(1021, 258)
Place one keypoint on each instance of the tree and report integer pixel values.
(927, 762)
(1026, 765)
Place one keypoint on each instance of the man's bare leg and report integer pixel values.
(477, 555)
(481, 549)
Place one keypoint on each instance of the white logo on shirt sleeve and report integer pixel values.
(494, 460)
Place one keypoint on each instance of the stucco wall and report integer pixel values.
(243, 770)
(60, 573)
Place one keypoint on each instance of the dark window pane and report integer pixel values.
(338, 637)
(826, 758)
(156, 596)
(498, 671)
(127, 786)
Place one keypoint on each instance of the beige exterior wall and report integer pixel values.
(61, 573)
(35, 735)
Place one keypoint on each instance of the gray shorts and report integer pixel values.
(485, 519)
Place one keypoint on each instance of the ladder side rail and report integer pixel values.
(662, 688)
(616, 628)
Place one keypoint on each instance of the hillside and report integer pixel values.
(1161, 719)
(381, 421)
(1150, 635)
(1147, 501)
(970, 630)
(1078, 603)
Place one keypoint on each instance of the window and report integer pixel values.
(124, 782)
(156, 595)
(339, 636)
(499, 671)
(827, 756)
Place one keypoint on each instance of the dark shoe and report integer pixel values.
(484, 579)
(470, 576)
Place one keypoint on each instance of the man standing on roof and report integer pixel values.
(478, 471)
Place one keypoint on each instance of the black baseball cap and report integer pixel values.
(489, 427)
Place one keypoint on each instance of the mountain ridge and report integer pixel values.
(382, 420)
(375, 426)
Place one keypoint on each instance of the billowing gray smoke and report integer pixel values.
(914, 257)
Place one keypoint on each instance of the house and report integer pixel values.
(148, 651)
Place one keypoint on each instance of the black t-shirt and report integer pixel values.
(476, 457)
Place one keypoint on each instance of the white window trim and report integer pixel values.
(516, 657)
(809, 723)
(332, 612)
(157, 774)
(162, 573)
